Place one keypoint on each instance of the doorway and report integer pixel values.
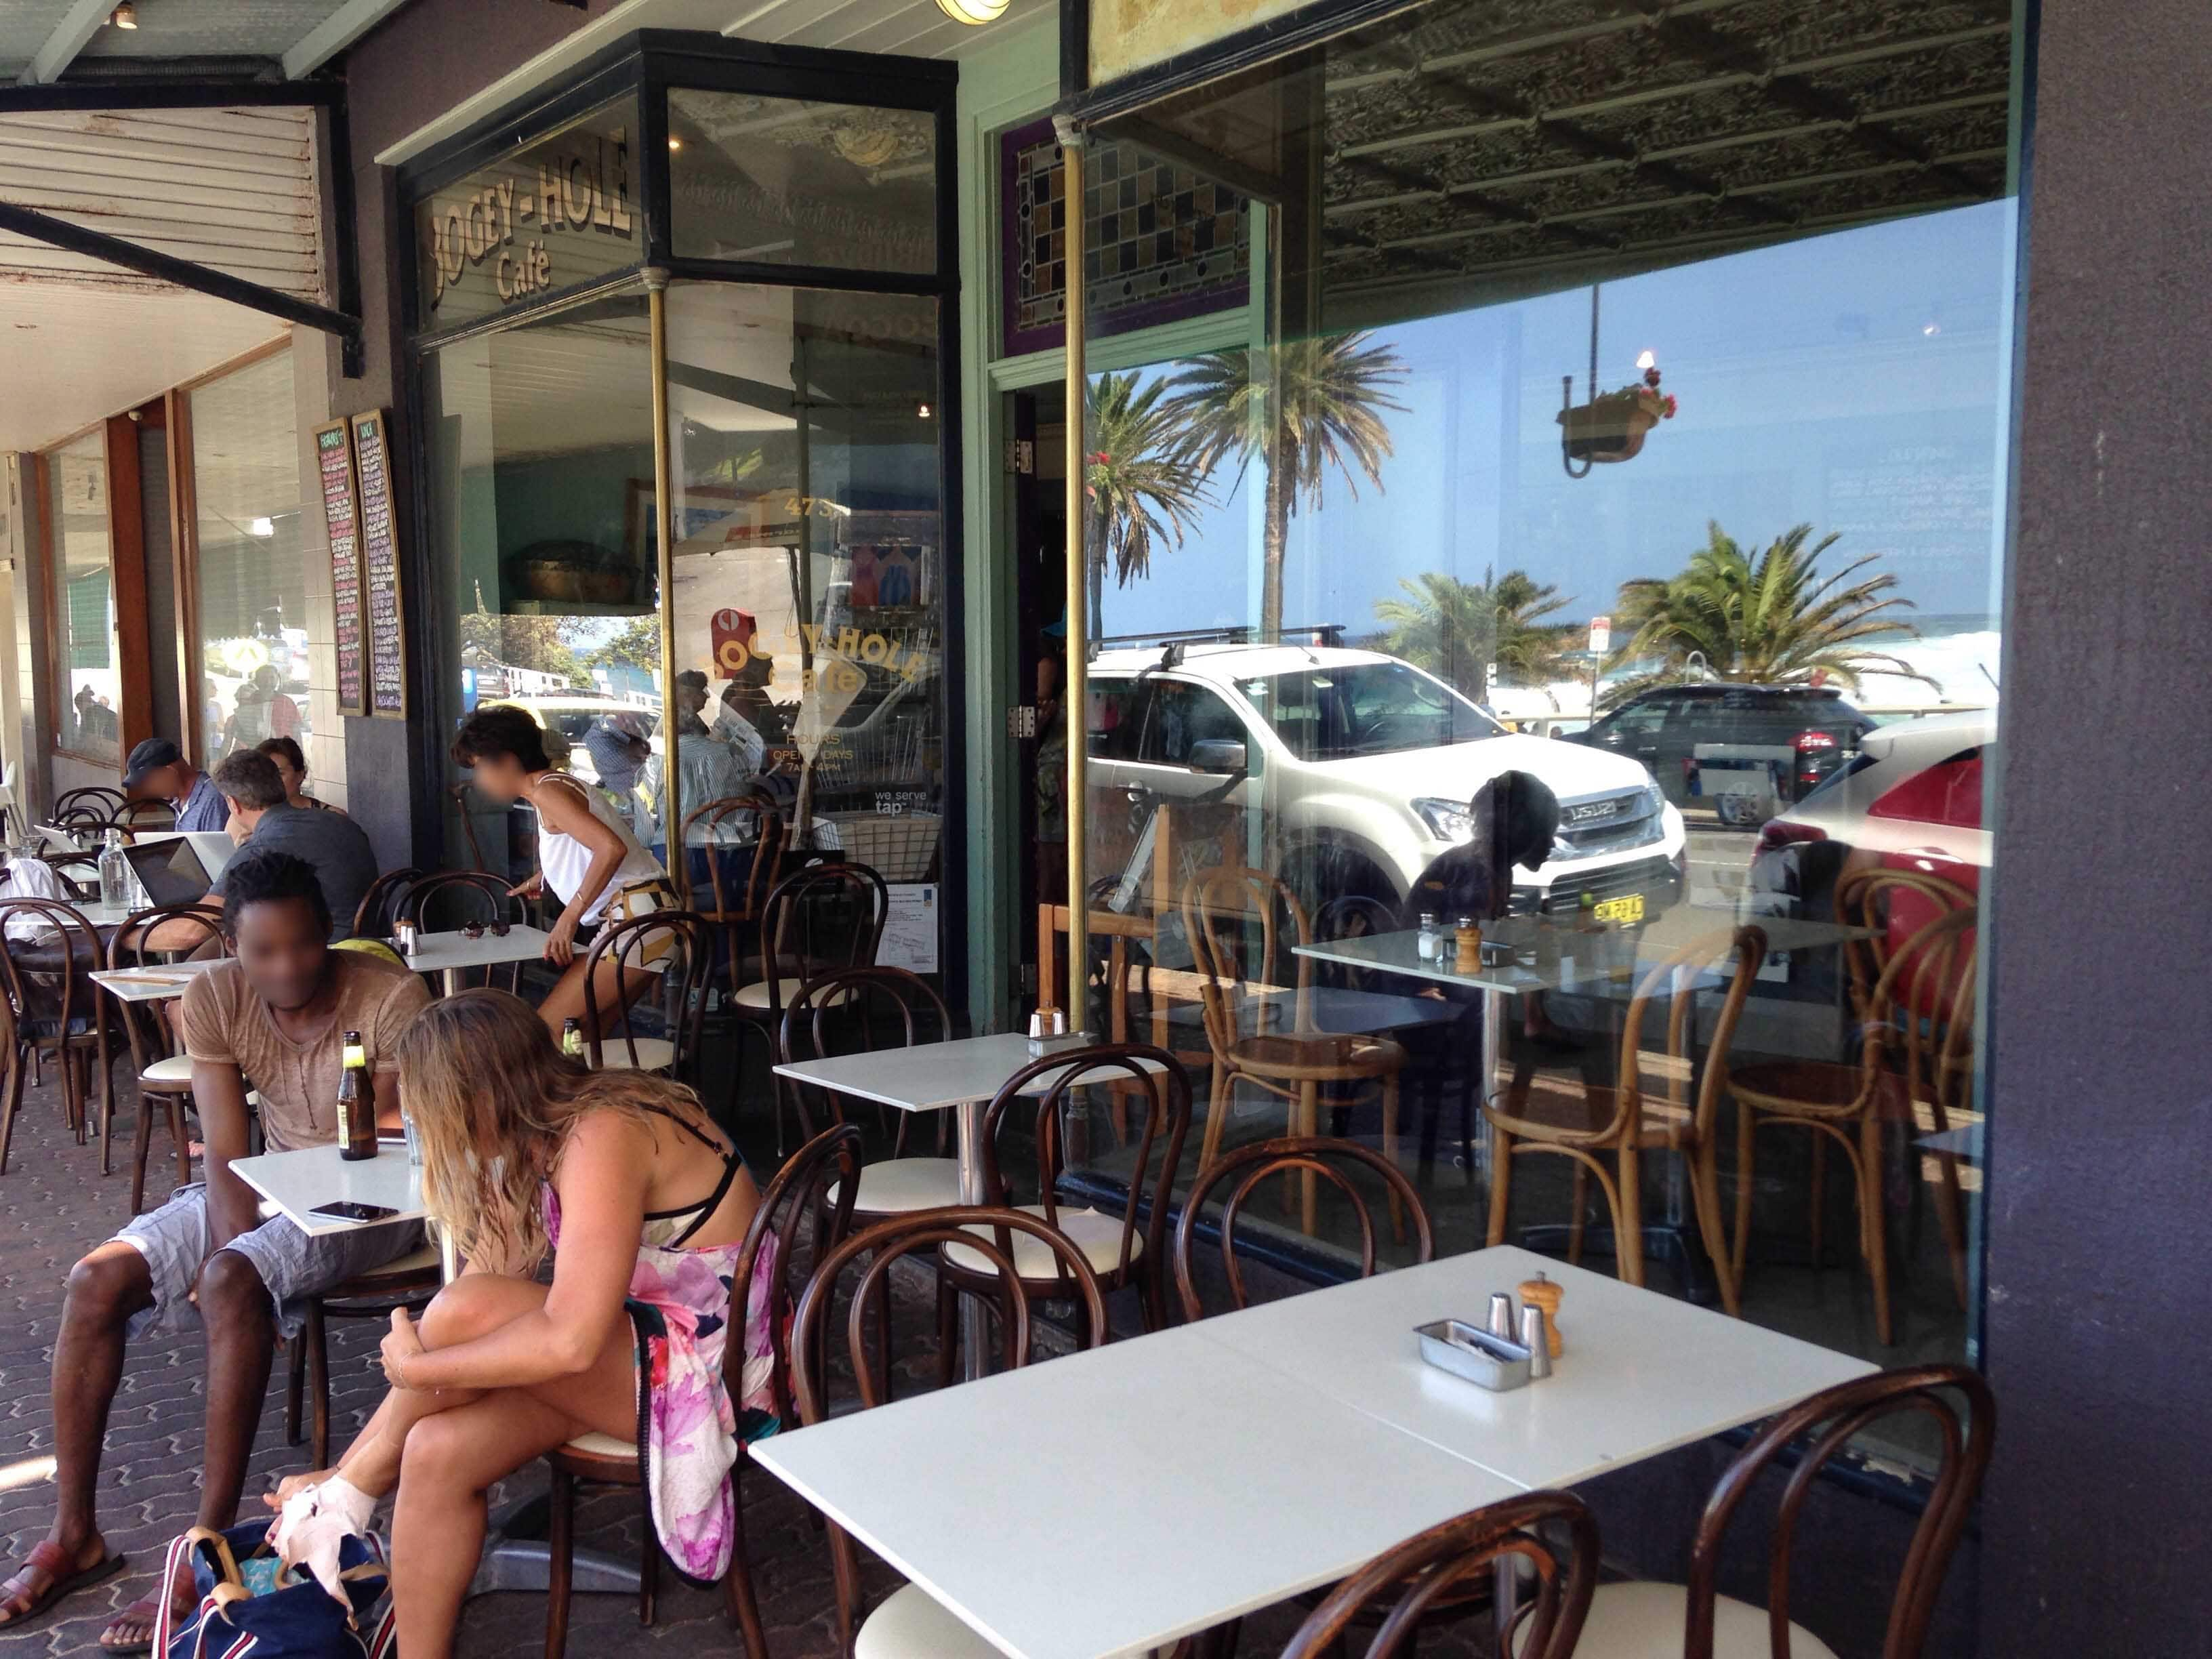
(1036, 421)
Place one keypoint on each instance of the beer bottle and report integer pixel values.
(356, 1102)
(572, 1038)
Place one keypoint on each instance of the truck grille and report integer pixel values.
(1608, 823)
(1653, 877)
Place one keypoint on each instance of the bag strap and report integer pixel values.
(224, 1562)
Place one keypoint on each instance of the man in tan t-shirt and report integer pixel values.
(277, 1014)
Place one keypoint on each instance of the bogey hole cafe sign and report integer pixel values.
(555, 213)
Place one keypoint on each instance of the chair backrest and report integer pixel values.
(1248, 1166)
(821, 919)
(449, 899)
(884, 1244)
(79, 873)
(1923, 1007)
(855, 1009)
(44, 978)
(150, 1034)
(1899, 906)
(1163, 1095)
(138, 817)
(1434, 1568)
(1827, 1422)
(92, 803)
(1232, 915)
(1352, 915)
(676, 945)
(753, 819)
(1748, 947)
(379, 905)
(802, 1187)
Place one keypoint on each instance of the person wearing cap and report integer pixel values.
(158, 766)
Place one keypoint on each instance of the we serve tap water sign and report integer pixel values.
(557, 212)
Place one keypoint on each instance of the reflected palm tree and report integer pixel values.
(1457, 629)
(1142, 485)
(1772, 619)
(1303, 407)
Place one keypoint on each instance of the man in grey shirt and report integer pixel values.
(331, 844)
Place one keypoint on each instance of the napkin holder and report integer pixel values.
(1470, 1353)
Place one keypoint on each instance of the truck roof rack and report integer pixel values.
(1174, 642)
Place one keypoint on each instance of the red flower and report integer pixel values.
(1666, 407)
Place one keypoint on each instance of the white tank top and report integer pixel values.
(567, 860)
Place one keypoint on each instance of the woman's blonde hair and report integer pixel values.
(494, 1099)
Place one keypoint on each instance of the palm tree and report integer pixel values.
(1302, 408)
(1773, 619)
(1457, 629)
(1141, 483)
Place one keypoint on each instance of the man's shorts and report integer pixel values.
(294, 1266)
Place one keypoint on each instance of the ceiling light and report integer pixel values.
(264, 528)
(124, 16)
(972, 11)
(674, 143)
(922, 413)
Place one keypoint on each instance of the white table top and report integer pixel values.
(436, 953)
(1590, 964)
(1111, 1501)
(930, 1075)
(297, 1181)
(156, 982)
(1641, 1374)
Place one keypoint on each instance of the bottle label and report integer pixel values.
(345, 1121)
(353, 1057)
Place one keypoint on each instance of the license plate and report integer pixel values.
(1627, 910)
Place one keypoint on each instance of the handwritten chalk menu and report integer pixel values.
(342, 513)
(380, 569)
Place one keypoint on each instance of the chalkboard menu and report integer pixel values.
(342, 513)
(380, 569)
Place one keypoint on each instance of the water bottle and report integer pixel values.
(114, 872)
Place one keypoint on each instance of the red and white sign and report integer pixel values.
(1600, 635)
(732, 632)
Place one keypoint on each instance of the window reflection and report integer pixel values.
(89, 684)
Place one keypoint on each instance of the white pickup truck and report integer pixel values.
(1361, 767)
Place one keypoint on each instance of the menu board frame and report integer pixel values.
(384, 655)
(345, 570)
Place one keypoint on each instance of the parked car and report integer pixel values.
(1663, 727)
(1361, 767)
(566, 719)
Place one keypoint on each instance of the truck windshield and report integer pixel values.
(1365, 708)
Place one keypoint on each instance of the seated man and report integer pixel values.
(262, 820)
(279, 1013)
(158, 768)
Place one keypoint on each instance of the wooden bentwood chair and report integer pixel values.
(1453, 1562)
(164, 1071)
(1228, 912)
(911, 1623)
(1116, 1250)
(52, 1011)
(1627, 1619)
(1625, 1121)
(851, 1011)
(820, 1176)
(379, 910)
(678, 947)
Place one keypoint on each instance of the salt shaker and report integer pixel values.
(1501, 1315)
(1426, 943)
(1536, 1337)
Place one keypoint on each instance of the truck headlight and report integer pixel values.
(1447, 820)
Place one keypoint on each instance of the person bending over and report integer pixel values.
(587, 854)
(645, 1206)
(279, 1011)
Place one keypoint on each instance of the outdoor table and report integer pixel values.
(1213, 1468)
(448, 954)
(157, 982)
(963, 1075)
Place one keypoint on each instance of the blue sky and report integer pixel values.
(1855, 381)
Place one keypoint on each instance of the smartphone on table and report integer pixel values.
(346, 1209)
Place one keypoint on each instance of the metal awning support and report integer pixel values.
(201, 279)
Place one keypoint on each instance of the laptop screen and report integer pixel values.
(170, 871)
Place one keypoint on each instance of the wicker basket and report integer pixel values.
(899, 848)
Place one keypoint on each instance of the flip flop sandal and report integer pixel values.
(49, 1558)
(144, 1611)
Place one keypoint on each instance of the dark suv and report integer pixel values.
(1663, 728)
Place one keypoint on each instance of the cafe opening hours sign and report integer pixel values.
(342, 518)
(384, 638)
(552, 214)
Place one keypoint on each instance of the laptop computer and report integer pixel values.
(170, 870)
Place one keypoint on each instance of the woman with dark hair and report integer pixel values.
(587, 855)
(291, 764)
(645, 1206)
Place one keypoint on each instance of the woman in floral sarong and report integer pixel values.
(646, 1206)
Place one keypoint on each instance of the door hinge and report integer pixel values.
(1021, 456)
(1028, 979)
(1022, 721)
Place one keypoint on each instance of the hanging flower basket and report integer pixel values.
(1612, 427)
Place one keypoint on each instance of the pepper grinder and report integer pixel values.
(1545, 1293)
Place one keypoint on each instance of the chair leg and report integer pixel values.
(142, 1147)
(1747, 1165)
(1628, 1219)
(1217, 1116)
(1390, 1151)
(560, 1561)
(648, 1575)
(1706, 1194)
(318, 1381)
(1576, 1218)
(737, 1583)
(295, 1388)
(948, 1330)
(14, 1100)
(107, 1116)
(1309, 1184)
(1874, 1223)
(184, 1141)
(1501, 1183)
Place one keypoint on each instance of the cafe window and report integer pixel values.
(87, 664)
(252, 567)
(1581, 373)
